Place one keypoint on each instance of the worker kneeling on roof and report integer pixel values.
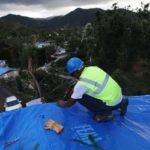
(95, 90)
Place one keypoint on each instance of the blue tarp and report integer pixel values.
(4, 70)
(129, 133)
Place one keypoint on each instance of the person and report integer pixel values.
(95, 90)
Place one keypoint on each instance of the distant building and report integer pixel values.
(6, 73)
(41, 44)
(60, 51)
(3, 63)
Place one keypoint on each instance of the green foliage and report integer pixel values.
(121, 36)
(116, 41)
(88, 42)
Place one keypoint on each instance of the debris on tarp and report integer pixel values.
(11, 142)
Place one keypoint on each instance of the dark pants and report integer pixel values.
(96, 106)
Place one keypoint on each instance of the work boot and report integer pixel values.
(123, 106)
(102, 118)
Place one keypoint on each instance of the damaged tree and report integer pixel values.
(36, 84)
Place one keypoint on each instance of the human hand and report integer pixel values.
(43, 100)
(61, 103)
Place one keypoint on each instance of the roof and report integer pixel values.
(26, 128)
(5, 70)
(2, 61)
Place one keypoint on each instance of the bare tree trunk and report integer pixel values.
(37, 87)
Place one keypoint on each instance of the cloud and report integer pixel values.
(46, 8)
(43, 8)
(52, 3)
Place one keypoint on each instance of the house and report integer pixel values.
(6, 73)
(41, 44)
(60, 51)
(3, 63)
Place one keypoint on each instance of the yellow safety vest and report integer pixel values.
(101, 85)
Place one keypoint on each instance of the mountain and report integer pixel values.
(78, 17)
(22, 20)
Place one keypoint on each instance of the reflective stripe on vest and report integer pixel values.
(100, 87)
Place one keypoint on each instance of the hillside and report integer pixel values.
(17, 19)
(117, 41)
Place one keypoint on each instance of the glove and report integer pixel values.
(53, 125)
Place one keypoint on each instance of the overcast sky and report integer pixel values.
(48, 8)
